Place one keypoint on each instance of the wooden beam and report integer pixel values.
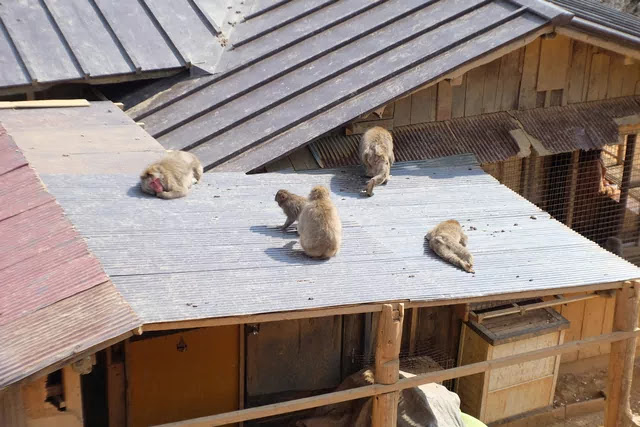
(241, 367)
(626, 180)
(628, 125)
(48, 103)
(387, 368)
(600, 42)
(620, 374)
(521, 309)
(573, 183)
(415, 381)
(414, 330)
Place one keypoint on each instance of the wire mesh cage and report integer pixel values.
(427, 356)
(595, 192)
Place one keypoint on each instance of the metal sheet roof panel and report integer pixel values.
(218, 253)
(63, 330)
(602, 14)
(287, 74)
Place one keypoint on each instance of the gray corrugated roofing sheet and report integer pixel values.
(583, 126)
(301, 69)
(599, 13)
(55, 299)
(486, 136)
(560, 129)
(50, 41)
(218, 252)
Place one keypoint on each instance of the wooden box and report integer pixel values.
(504, 392)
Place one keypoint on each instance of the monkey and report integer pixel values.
(319, 225)
(376, 154)
(614, 245)
(449, 242)
(291, 204)
(172, 176)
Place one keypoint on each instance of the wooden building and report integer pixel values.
(232, 316)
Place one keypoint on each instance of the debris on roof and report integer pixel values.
(302, 69)
(55, 299)
(219, 252)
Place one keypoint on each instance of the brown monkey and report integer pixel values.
(376, 154)
(291, 204)
(172, 176)
(319, 225)
(449, 241)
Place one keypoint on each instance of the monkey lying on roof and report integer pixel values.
(449, 241)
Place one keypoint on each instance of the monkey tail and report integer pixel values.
(445, 251)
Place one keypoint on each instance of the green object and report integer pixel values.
(469, 421)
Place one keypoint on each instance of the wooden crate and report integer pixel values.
(516, 389)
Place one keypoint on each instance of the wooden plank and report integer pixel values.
(574, 313)
(72, 395)
(302, 159)
(490, 100)
(528, 94)
(587, 71)
(402, 112)
(592, 324)
(474, 94)
(509, 81)
(616, 77)
(47, 103)
(556, 369)
(458, 98)
(600, 42)
(12, 411)
(445, 99)
(607, 325)
(352, 343)
(630, 78)
(415, 381)
(554, 63)
(116, 385)
(529, 307)
(621, 359)
(598, 77)
(423, 105)
(415, 312)
(573, 183)
(242, 367)
(387, 364)
(512, 401)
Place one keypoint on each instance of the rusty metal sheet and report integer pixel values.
(62, 330)
(486, 136)
(584, 126)
(55, 298)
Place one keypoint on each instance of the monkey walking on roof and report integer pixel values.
(376, 154)
(449, 242)
(172, 176)
(291, 205)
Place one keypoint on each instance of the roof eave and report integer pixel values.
(608, 33)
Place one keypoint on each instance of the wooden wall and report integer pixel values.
(547, 72)
(182, 375)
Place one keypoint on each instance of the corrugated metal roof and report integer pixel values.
(60, 331)
(46, 268)
(52, 41)
(304, 68)
(597, 12)
(218, 252)
(583, 126)
(487, 137)
(560, 129)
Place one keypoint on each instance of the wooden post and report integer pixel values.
(385, 406)
(617, 410)
(414, 330)
(626, 179)
(575, 163)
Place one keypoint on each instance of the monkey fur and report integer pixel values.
(291, 205)
(376, 154)
(449, 242)
(319, 225)
(172, 176)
